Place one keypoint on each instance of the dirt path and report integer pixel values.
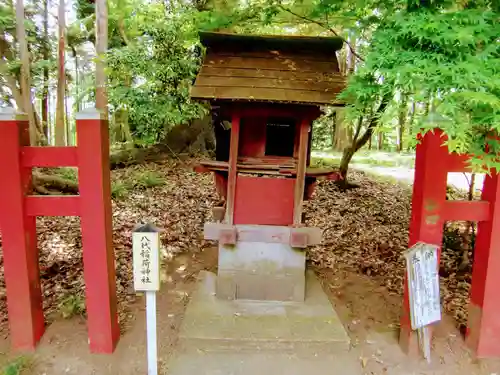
(367, 310)
(371, 316)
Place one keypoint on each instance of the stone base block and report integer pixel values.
(261, 271)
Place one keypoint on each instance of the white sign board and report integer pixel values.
(146, 249)
(423, 284)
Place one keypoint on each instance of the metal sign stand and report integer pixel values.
(146, 254)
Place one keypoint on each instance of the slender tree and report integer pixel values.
(46, 56)
(101, 49)
(60, 128)
(25, 71)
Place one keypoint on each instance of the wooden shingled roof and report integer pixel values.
(286, 69)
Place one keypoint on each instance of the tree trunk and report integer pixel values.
(412, 120)
(469, 230)
(78, 103)
(342, 138)
(101, 49)
(403, 113)
(358, 141)
(380, 145)
(351, 64)
(46, 56)
(333, 128)
(25, 71)
(60, 129)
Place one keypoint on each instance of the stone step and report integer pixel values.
(260, 363)
(211, 324)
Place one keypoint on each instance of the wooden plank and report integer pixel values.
(298, 64)
(301, 172)
(270, 110)
(54, 205)
(268, 160)
(264, 201)
(289, 75)
(276, 169)
(466, 210)
(266, 94)
(232, 169)
(262, 233)
(49, 157)
(306, 85)
(324, 56)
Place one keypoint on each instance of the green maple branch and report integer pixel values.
(325, 26)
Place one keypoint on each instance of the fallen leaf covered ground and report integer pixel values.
(365, 230)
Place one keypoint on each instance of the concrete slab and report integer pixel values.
(213, 363)
(245, 270)
(213, 324)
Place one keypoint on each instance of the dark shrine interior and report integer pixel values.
(278, 134)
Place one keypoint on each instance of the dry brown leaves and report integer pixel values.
(180, 206)
(365, 230)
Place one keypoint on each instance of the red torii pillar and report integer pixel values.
(430, 210)
(18, 212)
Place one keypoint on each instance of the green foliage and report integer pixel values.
(140, 179)
(71, 306)
(119, 189)
(147, 179)
(323, 130)
(448, 58)
(17, 366)
(68, 173)
(150, 77)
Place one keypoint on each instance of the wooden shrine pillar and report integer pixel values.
(19, 242)
(483, 331)
(301, 171)
(232, 169)
(19, 210)
(430, 210)
(426, 225)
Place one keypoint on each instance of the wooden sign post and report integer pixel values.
(423, 287)
(146, 258)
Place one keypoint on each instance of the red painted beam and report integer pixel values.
(466, 211)
(57, 205)
(457, 163)
(49, 157)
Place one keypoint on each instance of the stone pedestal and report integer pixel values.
(261, 271)
(245, 337)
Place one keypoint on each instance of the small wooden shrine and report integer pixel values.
(265, 92)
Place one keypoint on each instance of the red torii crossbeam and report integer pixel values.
(430, 210)
(18, 212)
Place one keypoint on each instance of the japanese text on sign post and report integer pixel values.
(423, 283)
(146, 261)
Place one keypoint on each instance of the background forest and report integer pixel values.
(410, 65)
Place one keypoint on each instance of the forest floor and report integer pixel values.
(359, 263)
